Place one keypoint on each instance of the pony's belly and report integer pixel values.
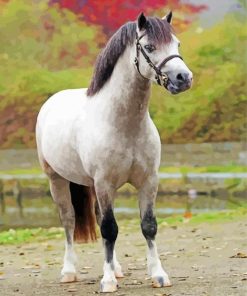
(74, 177)
(73, 173)
(65, 162)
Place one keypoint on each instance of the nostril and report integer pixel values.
(183, 77)
(180, 77)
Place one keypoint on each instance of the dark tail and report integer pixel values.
(83, 200)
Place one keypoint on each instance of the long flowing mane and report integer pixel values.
(158, 31)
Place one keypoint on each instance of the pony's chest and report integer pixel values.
(120, 163)
(117, 156)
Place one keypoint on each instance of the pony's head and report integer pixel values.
(154, 48)
(156, 54)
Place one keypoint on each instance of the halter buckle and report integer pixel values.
(164, 78)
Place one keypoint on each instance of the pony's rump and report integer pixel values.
(83, 200)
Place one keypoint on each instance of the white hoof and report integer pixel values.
(108, 287)
(68, 278)
(118, 273)
(161, 281)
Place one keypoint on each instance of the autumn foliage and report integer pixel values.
(111, 14)
(50, 45)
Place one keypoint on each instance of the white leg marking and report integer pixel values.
(69, 272)
(155, 269)
(109, 281)
(117, 267)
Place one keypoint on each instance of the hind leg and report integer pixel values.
(117, 267)
(61, 195)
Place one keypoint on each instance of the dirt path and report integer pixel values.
(196, 258)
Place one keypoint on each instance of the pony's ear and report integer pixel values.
(141, 21)
(168, 17)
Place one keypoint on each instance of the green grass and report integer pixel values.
(22, 236)
(205, 169)
(210, 217)
(27, 171)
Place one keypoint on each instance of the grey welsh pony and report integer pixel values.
(92, 141)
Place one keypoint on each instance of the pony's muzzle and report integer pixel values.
(184, 81)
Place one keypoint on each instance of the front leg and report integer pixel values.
(117, 267)
(109, 232)
(147, 196)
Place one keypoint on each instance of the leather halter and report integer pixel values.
(161, 77)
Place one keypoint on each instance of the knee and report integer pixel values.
(149, 225)
(109, 228)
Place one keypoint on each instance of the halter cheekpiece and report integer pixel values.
(161, 77)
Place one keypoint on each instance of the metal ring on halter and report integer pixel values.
(161, 77)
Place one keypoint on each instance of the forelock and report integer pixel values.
(158, 31)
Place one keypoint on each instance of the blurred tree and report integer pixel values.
(215, 108)
(38, 44)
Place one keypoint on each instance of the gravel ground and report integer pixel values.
(197, 259)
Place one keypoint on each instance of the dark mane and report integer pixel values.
(158, 31)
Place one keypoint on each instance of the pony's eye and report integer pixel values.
(149, 47)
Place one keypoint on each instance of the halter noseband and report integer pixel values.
(161, 77)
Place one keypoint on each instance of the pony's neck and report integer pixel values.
(127, 91)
